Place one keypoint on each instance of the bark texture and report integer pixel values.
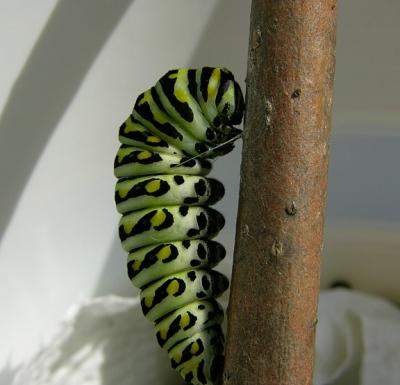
(275, 282)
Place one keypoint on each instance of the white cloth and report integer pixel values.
(104, 341)
(358, 340)
(107, 341)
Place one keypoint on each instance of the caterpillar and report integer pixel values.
(167, 226)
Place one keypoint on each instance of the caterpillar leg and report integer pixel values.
(167, 225)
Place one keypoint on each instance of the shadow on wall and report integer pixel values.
(63, 54)
(7, 374)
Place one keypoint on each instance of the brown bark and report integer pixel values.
(275, 282)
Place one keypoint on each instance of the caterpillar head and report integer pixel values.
(229, 105)
(230, 102)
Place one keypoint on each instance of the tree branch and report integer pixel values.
(275, 282)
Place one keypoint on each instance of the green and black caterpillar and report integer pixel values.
(167, 225)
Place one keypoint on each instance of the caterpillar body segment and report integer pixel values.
(219, 96)
(150, 263)
(175, 223)
(132, 133)
(200, 347)
(167, 226)
(196, 316)
(139, 193)
(179, 103)
(133, 161)
(179, 289)
(147, 111)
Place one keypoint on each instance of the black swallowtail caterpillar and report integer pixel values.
(166, 225)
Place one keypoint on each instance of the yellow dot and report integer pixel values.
(164, 253)
(213, 83)
(148, 301)
(159, 116)
(122, 191)
(146, 97)
(158, 219)
(176, 356)
(173, 287)
(163, 334)
(195, 348)
(153, 139)
(191, 367)
(153, 186)
(128, 227)
(136, 265)
(181, 94)
(129, 126)
(185, 320)
(144, 155)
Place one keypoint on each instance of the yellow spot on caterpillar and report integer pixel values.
(144, 155)
(153, 139)
(122, 191)
(128, 227)
(173, 76)
(190, 366)
(130, 126)
(163, 334)
(185, 320)
(164, 253)
(153, 186)
(136, 265)
(148, 301)
(173, 287)
(158, 218)
(159, 116)
(176, 356)
(228, 97)
(213, 83)
(181, 94)
(194, 348)
(146, 98)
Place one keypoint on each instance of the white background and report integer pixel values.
(70, 72)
